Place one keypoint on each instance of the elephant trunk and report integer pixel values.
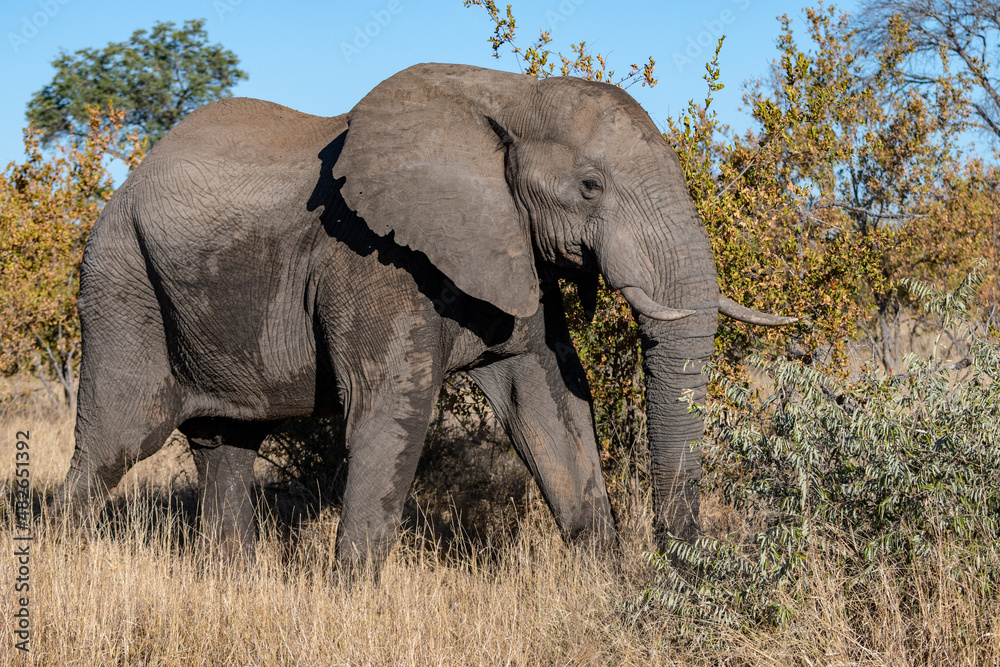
(675, 354)
(676, 305)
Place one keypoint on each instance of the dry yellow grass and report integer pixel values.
(142, 594)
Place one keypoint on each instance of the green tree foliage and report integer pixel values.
(48, 203)
(810, 212)
(537, 60)
(962, 227)
(157, 77)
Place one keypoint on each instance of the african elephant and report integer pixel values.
(262, 264)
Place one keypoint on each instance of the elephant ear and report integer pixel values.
(424, 157)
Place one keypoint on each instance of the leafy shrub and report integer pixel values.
(881, 469)
(311, 455)
(611, 353)
(48, 203)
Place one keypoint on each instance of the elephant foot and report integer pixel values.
(73, 515)
(363, 550)
(598, 536)
(358, 574)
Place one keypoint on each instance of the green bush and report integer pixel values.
(872, 472)
(611, 353)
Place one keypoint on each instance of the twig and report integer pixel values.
(56, 366)
(41, 376)
(957, 366)
(753, 159)
(857, 209)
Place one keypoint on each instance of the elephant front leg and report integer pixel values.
(542, 399)
(385, 436)
(552, 431)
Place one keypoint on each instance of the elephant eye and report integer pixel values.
(591, 188)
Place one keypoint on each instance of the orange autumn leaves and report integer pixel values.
(48, 203)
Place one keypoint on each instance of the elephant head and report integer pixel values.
(497, 176)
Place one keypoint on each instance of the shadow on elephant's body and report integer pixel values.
(486, 321)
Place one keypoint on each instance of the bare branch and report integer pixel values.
(857, 209)
(41, 376)
(967, 29)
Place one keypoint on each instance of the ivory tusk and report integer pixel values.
(734, 310)
(641, 302)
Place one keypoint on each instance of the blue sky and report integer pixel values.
(321, 57)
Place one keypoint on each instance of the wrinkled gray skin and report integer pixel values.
(263, 264)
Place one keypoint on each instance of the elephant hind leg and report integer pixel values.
(224, 452)
(128, 400)
(100, 460)
(124, 415)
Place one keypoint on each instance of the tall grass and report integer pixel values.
(141, 593)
